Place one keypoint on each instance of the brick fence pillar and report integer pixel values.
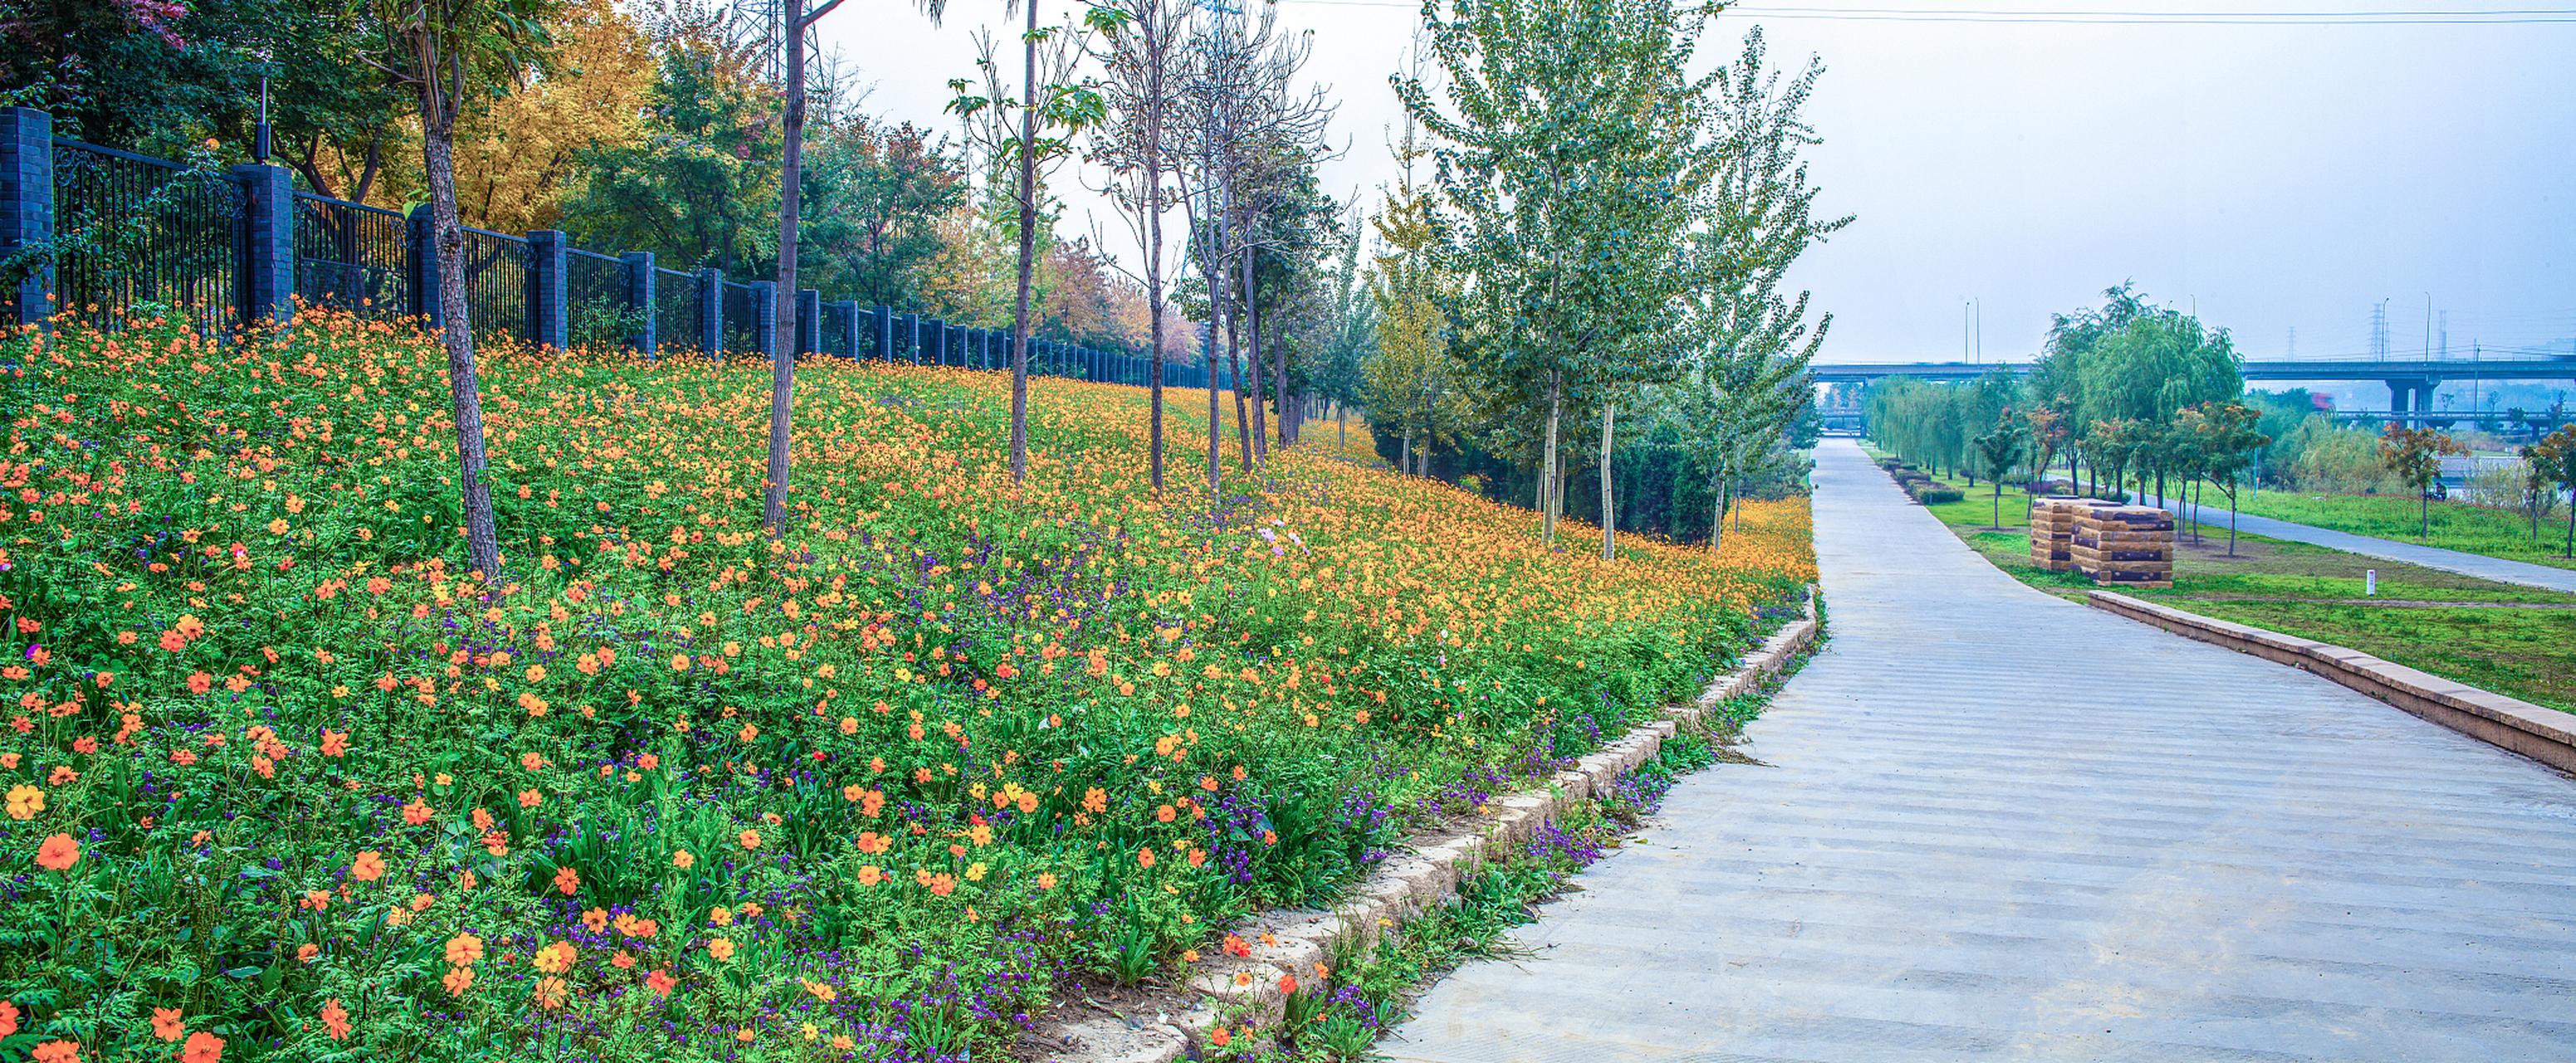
(27, 208)
(549, 319)
(423, 263)
(809, 321)
(268, 242)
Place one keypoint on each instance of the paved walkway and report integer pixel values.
(1999, 825)
(2466, 564)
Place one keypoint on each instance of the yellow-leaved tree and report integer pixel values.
(517, 153)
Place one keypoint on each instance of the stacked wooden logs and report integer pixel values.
(2124, 546)
(2052, 531)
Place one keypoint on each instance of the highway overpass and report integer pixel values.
(2410, 382)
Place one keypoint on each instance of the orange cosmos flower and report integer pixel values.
(567, 881)
(369, 866)
(58, 853)
(57, 1052)
(596, 919)
(683, 860)
(464, 949)
(417, 813)
(556, 958)
(869, 875)
(457, 980)
(720, 916)
(167, 1025)
(1145, 857)
(8, 1017)
(202, 1047)
(720, 948)
(943, 884)
(660, 982)
(550, 993)
(335, 1020)
(530, 799)
(750, 839)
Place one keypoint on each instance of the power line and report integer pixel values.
(2515, 17)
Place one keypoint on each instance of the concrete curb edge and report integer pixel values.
(1401, 886)
(2541, 733)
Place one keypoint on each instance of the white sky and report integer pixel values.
(2269, 177)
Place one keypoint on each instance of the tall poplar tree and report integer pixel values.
(1571, 173)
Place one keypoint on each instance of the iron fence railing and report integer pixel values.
(349, 256)
(836, 329)
(496, 284)
(117, 232)
(597, 314)
(135, 233)
(677, 322)
(741, 319)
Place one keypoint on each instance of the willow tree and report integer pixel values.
(1571, 176)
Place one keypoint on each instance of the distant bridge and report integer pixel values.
(2410, 383)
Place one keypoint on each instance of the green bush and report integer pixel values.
(1932, 496)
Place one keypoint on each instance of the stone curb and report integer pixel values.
(1399, 888)
(2534, 731)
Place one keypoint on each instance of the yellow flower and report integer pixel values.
(25, 802)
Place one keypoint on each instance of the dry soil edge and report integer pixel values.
(2535, 731)
(1400, 887)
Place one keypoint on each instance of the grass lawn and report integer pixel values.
(2511, 639)
(2456, 525)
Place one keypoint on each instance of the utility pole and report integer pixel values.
(1980, 306)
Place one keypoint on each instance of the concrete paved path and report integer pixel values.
(2466, 564)
(1999, 825)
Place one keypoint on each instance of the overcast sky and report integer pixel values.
(2270, 177)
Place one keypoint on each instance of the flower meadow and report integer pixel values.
(282, 782)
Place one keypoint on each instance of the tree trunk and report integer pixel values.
(1342, 430)
(1287, 430)
(1717, 520)
(1153, 207)
(1548, 487)
(438, 139)
(1028, 252)
(1609, 516)
(1234, 366)
(782, 372)
(1252, 331)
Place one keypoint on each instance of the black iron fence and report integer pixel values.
(349, 256)
(95, 233)
(133, 233)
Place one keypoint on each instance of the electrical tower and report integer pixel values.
(2379, 330)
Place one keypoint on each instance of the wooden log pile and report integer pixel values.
(2052, 531)
(2124, 546)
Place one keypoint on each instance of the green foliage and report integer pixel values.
(2414, 456)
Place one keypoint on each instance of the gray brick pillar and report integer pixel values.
(881, 330)
(809, 321)
(268, 242)
(423, 260)
(711, 312)
(764, 316)
(27, 207)
(549, 319)
(639, 296)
